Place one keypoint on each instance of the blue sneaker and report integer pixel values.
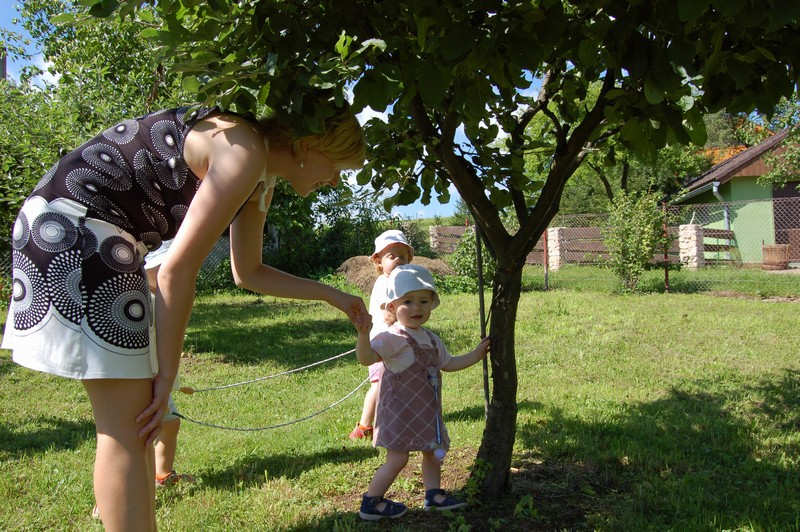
(445, 502)
(369, 508)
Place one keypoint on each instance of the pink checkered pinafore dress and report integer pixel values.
(408, 407)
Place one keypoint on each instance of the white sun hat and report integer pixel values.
(387, 238)
(407, 278)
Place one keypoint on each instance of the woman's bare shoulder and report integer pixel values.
(225, 138)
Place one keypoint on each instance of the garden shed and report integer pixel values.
(756, 213)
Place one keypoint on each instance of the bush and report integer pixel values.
(464, 259)
(216, 279)
(454, 284)
(418, 238)
(633, 233)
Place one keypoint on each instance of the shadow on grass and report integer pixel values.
(476, 413)
(52, 433)
(253, 470)
(683, 462)
(226, 329)
(7, 365)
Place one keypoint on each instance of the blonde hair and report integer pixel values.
(341, 140)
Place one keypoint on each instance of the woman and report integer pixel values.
(80, 307)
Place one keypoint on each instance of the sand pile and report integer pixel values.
(361, 272)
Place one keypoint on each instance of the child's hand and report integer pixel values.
(483, 348)
(393, 263)
(363, 322)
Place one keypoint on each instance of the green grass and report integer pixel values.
(742, 281)
(636, 412)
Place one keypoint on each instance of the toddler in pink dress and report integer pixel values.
(409, 414)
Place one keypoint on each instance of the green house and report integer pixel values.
(728, 196)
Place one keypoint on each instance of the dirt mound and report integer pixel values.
(361, 272)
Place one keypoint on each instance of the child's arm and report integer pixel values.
(366, 355)
(465, 361)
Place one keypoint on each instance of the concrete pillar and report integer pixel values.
(555, 248)
(690, 242)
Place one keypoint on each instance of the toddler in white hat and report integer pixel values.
(409, 414)
(391, 250)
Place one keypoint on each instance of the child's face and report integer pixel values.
(413, 309)
(393, 256)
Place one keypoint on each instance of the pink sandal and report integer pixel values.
(361, 431)
(172, 478)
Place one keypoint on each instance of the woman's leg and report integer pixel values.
(123, 472)
(385, 475)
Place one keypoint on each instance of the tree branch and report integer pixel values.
(604, 180)
(463, 176)
(565, 162)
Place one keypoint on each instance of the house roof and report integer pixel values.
(730, 168)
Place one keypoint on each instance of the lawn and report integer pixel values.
(636, 412)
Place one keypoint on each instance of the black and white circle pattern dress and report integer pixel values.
(80, 306)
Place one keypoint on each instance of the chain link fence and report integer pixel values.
(749, 247)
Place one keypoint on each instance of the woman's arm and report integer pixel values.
(236, 158)
(247, 234)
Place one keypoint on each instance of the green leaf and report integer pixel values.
(343, 45)
(191, 84)
(263, 93)
(364, 175)
(695, 127)
(376, 90)
(377, 44)
(501, 198)
(103, 8)
(652, 92)
(423, 23)
(691, 9)
(433, 81)
(686, 102)
(63, 18)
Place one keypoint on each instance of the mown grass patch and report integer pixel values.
(636, 412)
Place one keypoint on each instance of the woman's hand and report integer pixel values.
(351, 305)
(151, 417)
(363, 323)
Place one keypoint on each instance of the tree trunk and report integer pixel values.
(501, 423)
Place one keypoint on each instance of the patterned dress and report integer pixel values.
(408, 408)
(80, 306)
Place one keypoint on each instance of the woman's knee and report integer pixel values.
(116, 403)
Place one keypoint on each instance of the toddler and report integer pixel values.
(409, 408)
(391, 250)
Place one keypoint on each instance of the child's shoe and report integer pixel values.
(369, 508)
(361, 431)
(444, 502)
(173, 478)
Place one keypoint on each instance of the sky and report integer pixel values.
(8, 13)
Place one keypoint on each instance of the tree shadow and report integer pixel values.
(51, 433)
(476, 413)
(7, 365)
(226, 329)
(254, 470)
(681, 462)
